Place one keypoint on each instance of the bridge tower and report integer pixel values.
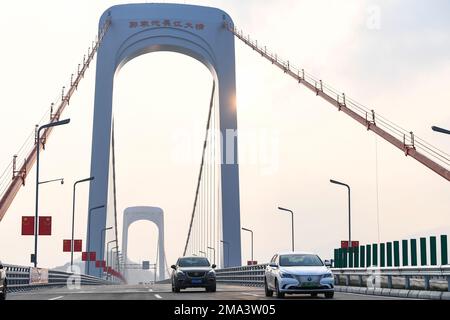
(198, 32)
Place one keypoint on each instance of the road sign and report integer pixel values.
(92, 256)
(78, 245)
(344, 244)
(67, 245)
(45, 226)
(146, 265)
(28, 226)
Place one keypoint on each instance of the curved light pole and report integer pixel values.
(292, 213)
(214, 254)
(89, 232)
(112, 255)
(349, 211)
(73, 217)
(107, 256)
(228, 251)
(103, 239)
(441, 130)
(36, 213)
(54, 180)
(251, 231)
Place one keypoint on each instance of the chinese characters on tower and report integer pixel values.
(166, 23)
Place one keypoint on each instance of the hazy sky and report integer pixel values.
(397, 64)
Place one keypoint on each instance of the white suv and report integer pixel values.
(298, 272)
(2, 282)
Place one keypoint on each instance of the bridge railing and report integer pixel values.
(19, 279)
(245, 275)
(432, 278)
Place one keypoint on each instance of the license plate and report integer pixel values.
(309, 284)
(196, 281)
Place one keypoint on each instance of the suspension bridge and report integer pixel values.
(208, 35)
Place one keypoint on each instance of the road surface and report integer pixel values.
(163, 292)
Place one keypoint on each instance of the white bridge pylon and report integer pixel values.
(195, 31)
(152, 214)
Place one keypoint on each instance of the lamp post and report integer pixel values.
(214, 254)
(441, 130)
(228, 251)
(73, 217)
(248, 230)
(349, 211)
(112, 255)
(103, 239)
(89, 232)
(54, 180)
(107, 256)
(36, 214)
(292, 214)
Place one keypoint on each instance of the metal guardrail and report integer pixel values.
(394, 277)
(18, 278)
(383, 277)
(246, 275)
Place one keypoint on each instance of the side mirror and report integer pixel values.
(213, 266)
(174, 267)
(328, 263)
(273, 265)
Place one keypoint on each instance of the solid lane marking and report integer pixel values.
(57, 298)
(158, 296)
(251, 294)
(150, 290)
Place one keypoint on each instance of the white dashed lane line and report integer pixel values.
(57, 298)
(158, 296)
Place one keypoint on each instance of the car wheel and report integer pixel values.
(280, 295)
(3, 294)
(269, 293)
(211, 288)
(329, 295)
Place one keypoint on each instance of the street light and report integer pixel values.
(441, 130)
(36, 214)
(89, 232)
(214, 254)
(292, 213)
(103, 239)
(349, 211)
(54, 180)
(112, 257)
(248, 230)
(228, 251)
(73, 217)
(107, 256)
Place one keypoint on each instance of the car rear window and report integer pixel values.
(300, 260)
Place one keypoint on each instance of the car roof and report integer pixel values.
(193, 257)
(295, 252)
